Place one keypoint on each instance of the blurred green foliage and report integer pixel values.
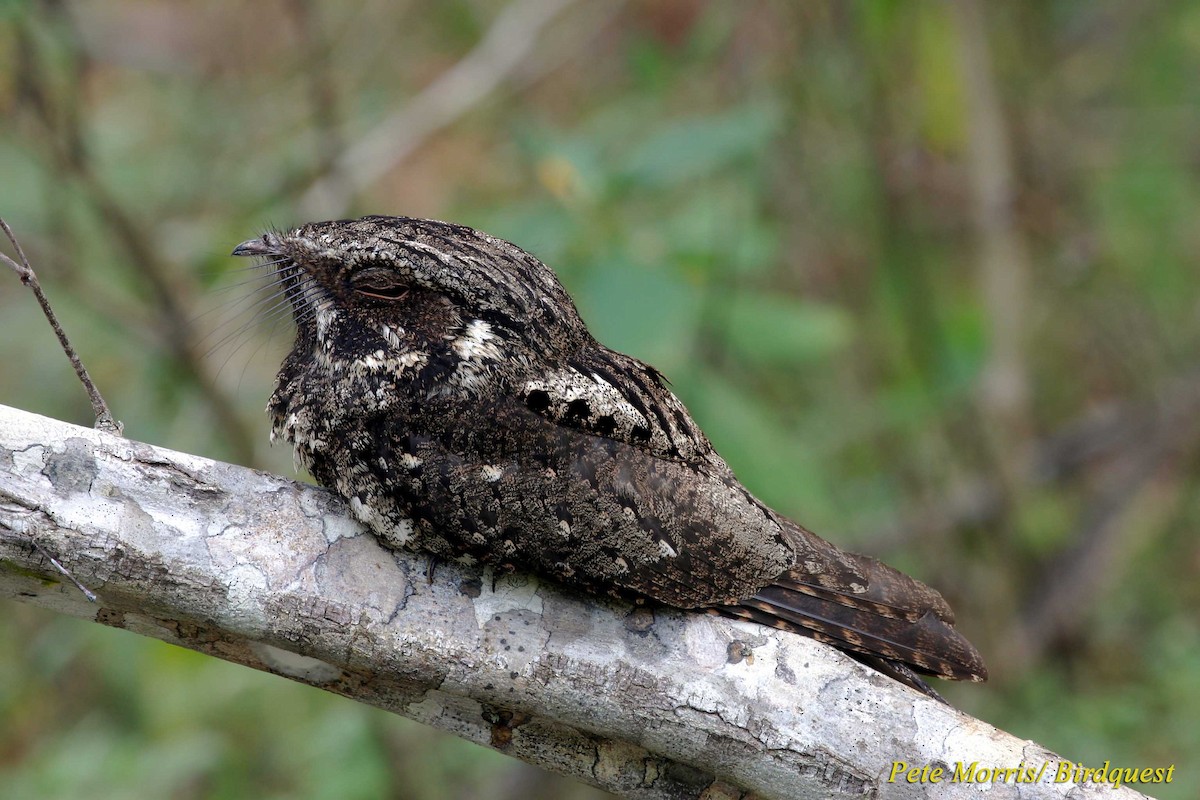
(784, 206)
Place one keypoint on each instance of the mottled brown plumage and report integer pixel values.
(443, 383)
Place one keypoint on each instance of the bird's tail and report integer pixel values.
(866, 608)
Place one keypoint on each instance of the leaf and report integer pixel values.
(692, 148)
(772, 329)
(649, 313)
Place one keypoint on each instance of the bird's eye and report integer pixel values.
(382, 284)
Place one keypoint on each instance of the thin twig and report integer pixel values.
(1004, 264)
(104, 417)
(66, 145)
(322, 89)
(1074, 450)
(88, 593)
(497, 56)
(1072, 585)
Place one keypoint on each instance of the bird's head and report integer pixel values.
(443, 303)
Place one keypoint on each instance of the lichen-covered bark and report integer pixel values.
(273, 574)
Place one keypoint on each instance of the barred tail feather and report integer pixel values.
(857, 604)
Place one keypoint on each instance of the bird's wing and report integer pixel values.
(613, 395)
(524, 490)
(850, 601)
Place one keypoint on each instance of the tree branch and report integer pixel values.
(510, 39)
(270, 573)
(1004, 264)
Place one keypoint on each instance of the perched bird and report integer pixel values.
(443, 383)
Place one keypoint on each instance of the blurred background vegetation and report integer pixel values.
(925, 272)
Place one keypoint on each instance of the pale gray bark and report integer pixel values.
(271, 573)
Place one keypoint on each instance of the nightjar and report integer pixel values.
(443, 383)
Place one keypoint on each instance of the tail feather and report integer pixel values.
(886, 610)
(866, 608)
